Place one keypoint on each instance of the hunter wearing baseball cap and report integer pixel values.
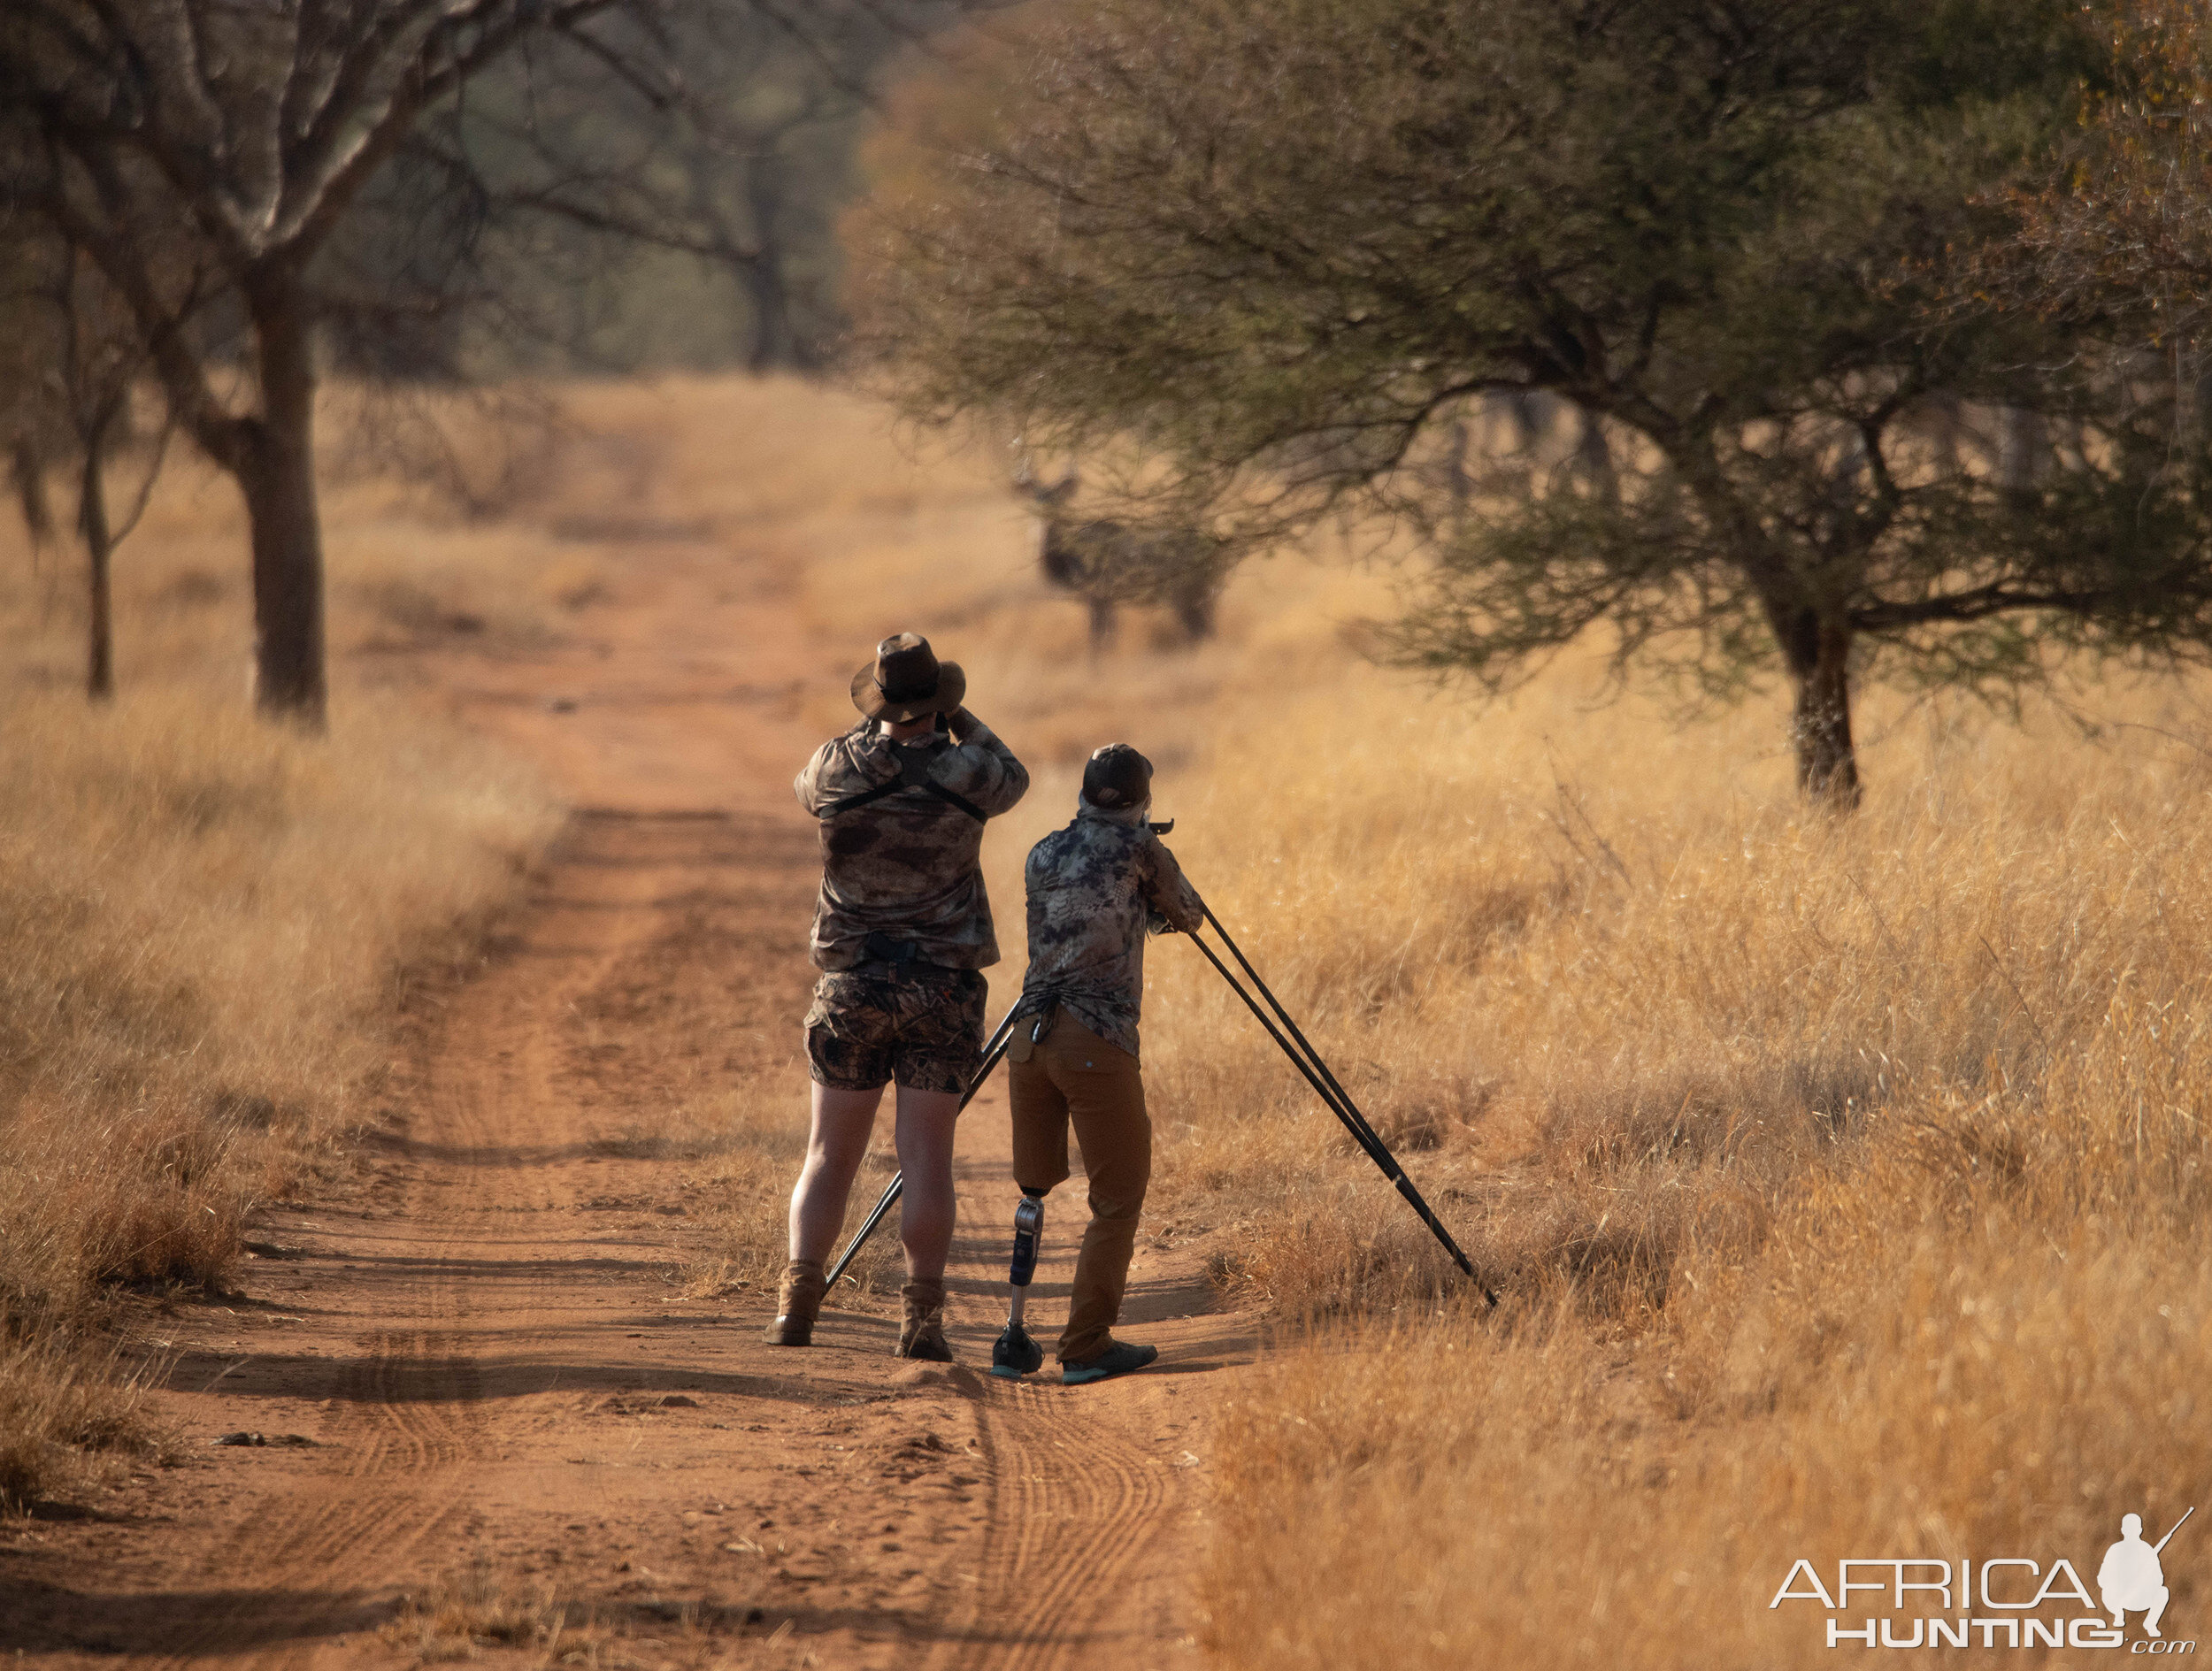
(1096, 888)
(902, 935)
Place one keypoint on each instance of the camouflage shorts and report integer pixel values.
(922, 1029)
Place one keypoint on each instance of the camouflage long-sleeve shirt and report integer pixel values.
(1095, 888)
(902, 867)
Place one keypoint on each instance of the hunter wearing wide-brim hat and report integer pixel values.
(902, 934)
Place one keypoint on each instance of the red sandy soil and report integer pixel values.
(483, 1339)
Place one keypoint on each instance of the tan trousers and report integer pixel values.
(1075, 1076)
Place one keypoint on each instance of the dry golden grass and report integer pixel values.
(477, 1607)
(66, 1410)
(204, 925)
(486, 1610)
(1843, 1180)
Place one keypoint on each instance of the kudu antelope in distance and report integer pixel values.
(1104, 562)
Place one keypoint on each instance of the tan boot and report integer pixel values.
(924, 1333)
(798, 1302)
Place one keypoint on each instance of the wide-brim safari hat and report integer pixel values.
(906, 680)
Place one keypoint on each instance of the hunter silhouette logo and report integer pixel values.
(1998, 1602)
(2132, 1579)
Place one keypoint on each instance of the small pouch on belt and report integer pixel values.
(1029, 1032)
(882, 948)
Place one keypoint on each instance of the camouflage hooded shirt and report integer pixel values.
(1095, 888)
(904, 866)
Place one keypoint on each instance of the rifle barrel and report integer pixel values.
(2170, 1530)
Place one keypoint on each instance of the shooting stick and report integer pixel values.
(1309, 1063)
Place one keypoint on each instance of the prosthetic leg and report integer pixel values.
(1016, 1354)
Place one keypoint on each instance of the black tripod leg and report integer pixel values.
(867, 1228)
(1338, 1102)
(1392, 1169)
(992, 1054)
(1436, 1228)
(1365, 1139)
(1276, 1004)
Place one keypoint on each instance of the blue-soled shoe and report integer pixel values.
(1120, 1358)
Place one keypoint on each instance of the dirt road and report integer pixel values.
(476, 1376)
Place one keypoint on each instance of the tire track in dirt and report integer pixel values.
(1091, 1531)
(397, 1422)
(406, 1413)
(1074, 1505)
(490, 1354)
(399, 1435)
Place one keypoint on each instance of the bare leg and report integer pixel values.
(834, 1149)
(924, 1138)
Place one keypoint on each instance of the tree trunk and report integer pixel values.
(279, 482)
(1102, 625)
(27, 472)
(2023, 449)
(99, 544)
(1525, 414)
(1459, 481)
(1593, 459)
(1193, 608)
(773, 343)
(1817, 647)
(1945, 421)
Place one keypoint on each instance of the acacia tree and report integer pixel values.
(96, 362)
(764, 156)
(246, 132)
(1283, 248)
(247, 135)
(75, 363)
